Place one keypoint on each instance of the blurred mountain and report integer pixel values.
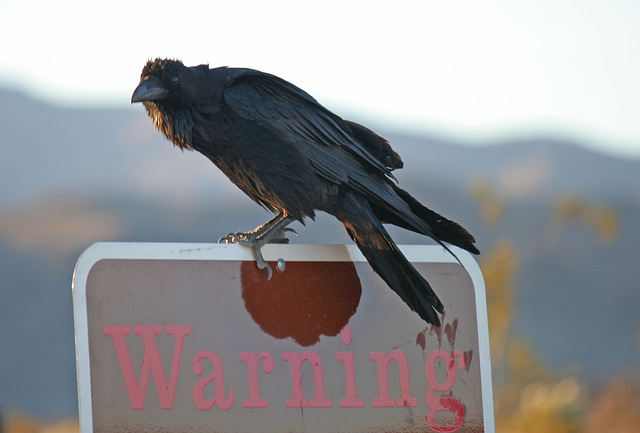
(75, 176)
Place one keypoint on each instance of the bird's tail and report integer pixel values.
(388, 261)
(440, 228)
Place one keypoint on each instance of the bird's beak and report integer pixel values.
(149, 90)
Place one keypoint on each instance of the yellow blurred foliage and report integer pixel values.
(490, 205)
(553, 407)
(602, 219)
(616, 409)
(528, 396)
(22, 424)
(498, 268)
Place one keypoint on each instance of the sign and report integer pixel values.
(192, 337)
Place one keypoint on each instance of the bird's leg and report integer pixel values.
(271, 231)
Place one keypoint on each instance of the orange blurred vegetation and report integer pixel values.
(602, 219)
(528, 396)
(23, 424)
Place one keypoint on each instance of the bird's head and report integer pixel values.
(169, 92)
(166, 80)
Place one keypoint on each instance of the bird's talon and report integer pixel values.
(238, 238)
(227, 239)
(261, 263)
(288, 229)
(266, 266)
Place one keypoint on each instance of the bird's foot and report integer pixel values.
(249, 239)
(256, 239)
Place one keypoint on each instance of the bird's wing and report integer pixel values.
(324, 138)
(296, 116)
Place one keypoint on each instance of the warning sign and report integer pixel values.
(193, 337)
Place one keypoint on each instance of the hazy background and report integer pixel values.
(470, 69)
(519, 120)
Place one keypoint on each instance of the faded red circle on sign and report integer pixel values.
(306, 301)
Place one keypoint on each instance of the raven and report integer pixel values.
(294, 157)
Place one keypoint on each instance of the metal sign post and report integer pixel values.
(192, 337)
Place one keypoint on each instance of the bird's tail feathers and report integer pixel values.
(441, 229)
(388, 261)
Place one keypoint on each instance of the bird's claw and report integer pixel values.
(273, 231)
(261, 263)
(289, 229)
(238, 238)
(255, 243)
(227, 239)
(251, 241)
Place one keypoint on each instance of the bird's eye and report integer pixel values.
(174, 79)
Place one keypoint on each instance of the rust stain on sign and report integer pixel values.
(310, 299)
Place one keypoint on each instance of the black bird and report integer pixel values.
(294, 157)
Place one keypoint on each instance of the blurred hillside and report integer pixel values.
(557, 224)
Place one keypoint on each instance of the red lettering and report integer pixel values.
(351, 400)
(295, 361)
(254, 401)
(437, 404)
(197, 394)
(151, 364)
(383, 399)
(150, 361)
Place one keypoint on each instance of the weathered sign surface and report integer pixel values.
(193, 338)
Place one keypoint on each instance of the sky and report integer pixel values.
(475, 71)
